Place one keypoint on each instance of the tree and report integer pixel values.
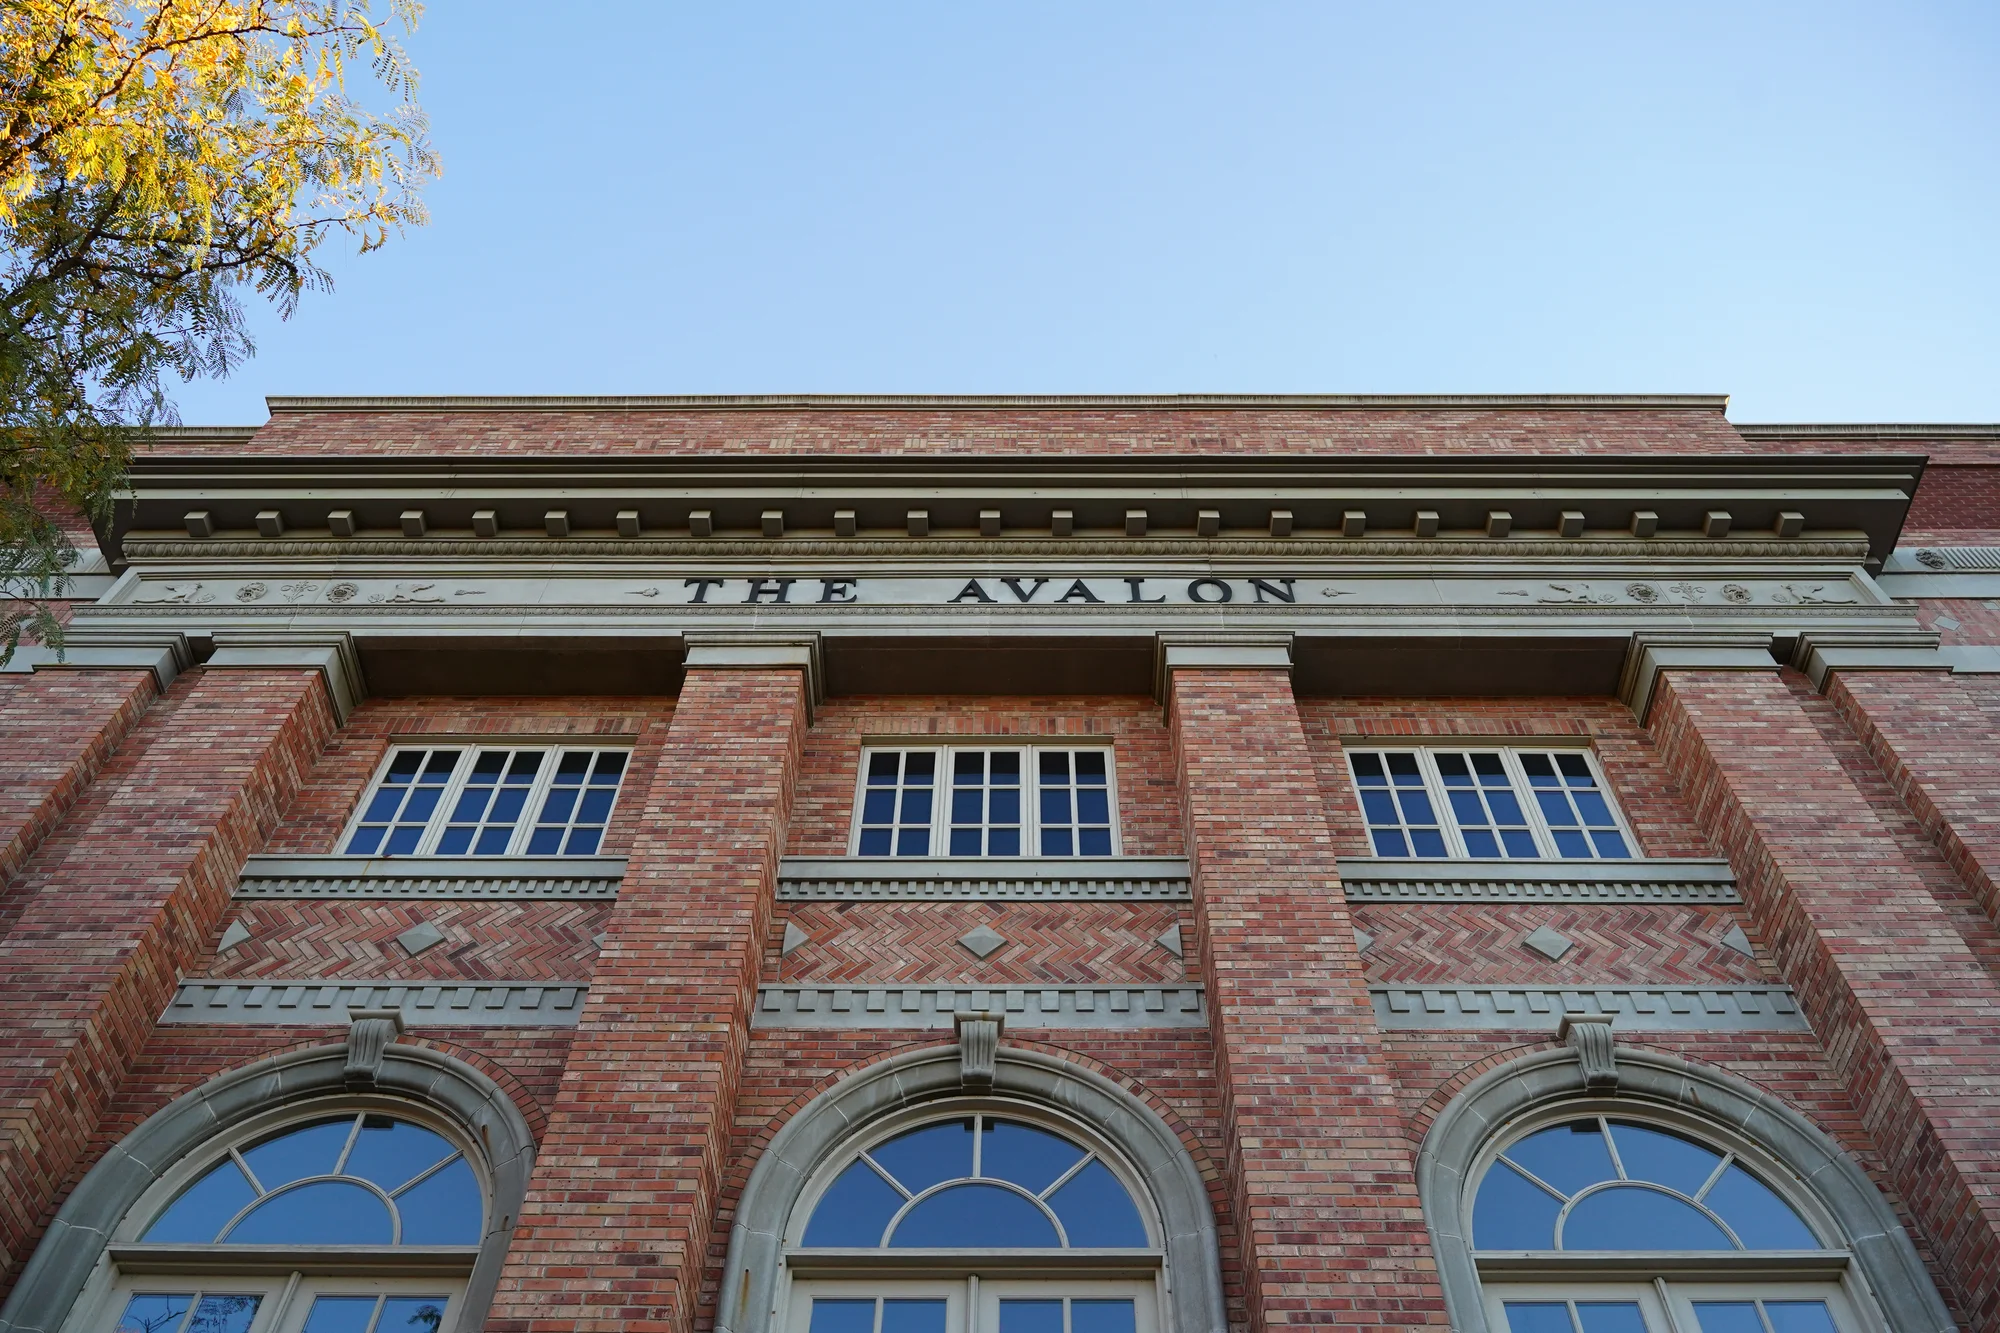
(157, 159)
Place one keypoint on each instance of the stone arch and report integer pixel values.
(1882, 1251)
(932, 1074)
(428, 1078)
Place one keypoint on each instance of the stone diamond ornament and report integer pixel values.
(1362, 939)
(420, 937)
(235, 935)
(1734, 938)
(982, 940)
(1170, 940)
(794, 938)
(1550, 944)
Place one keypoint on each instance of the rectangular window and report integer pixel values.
(986, 801)
(462, 800)
(1499, 803)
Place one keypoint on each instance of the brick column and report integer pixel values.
(122, 898)
(57, 728)
(1940, 750)
(620, 1215)
(1322, 1177)
(1909, 1020)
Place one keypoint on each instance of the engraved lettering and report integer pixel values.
(1029, 595)
(1079, 591)
(1194, 591)
(701, 587)
(778, 590)
(1284, 594)
(1138, 586)
(836, 590)
(973, 591)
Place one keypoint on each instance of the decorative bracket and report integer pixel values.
(978, 1048)
(1589, 1035)
(369, 1032)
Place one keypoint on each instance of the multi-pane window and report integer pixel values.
(986, 801)
(461, 800)
(1500, 803)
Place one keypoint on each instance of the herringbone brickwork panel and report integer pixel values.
(356, 940)
(1054, 942)
(1148, 812)
(1482, 942)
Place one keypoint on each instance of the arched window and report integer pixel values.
(362, 1218)
(1670, 1197)
(990, 1217)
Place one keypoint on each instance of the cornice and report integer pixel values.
(1875, 430)
(863, 402)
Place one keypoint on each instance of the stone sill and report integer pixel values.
(1665, 879)
(918, 878)
(431, 877)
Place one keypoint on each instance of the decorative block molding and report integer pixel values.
(584, 877)
(937, 1007)
(1689, 880)
(493, 1004)
(992, 878)
(1632, 1008)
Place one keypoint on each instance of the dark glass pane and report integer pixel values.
(1097, 1212)
(440, 765)
(966, 806)
(1368, 768)
(1799, 1316)
(1032, 1158)
(1506, 808)
(916, 805)
(913, 1316)
(1609, 843)
(1520, 843)
(974, 1217)
(1575, 770)
(507, 807)
(545, 841)
(1479, 842)
(609, 768)
(969, 766)
(854, 1211)
(965, 842)
(383, 808)
(1569, 1156)
(882, 769)
(365, 841)
(913, 842)
(582, 840)
(204, 1208)
(1056, 842)
(1090, 766)
(1663, 1158)
(1427, 842)
(224, 1314)
(1031, 1317)
(404, 840)
(1454, 770)
(1593, 808)
(1632, 1217)
(1093, 842)
(489, 765)
(1760, 1219)
(1492, 773)
(1511, 1213)
(920, 768)
(340, 1314)
(1571, 845)
(842, 1316)
(457, 840)
(1465, 806)
(312, 1150)
(404, 766)
(1555, 807)
(1728, 1317)
(1402, 766)
(1380, 807)
(158, 1312)
(1093, 806)
(929, 1156)
(1389, 842)
(411, 1314)
(330, 1212)
(1006, 768)
(1055, 806)
(1054, 765)
(421, 803)
(392, 1153)
(573, 766)
(1537, 766)
(1103, 1317)
(1538, 1317)
(875, 842)
(444, 1209)
(1003, 842)
(1610, 1317)
(556, 808)
(1005, 806)
(1417, 807)
(879, 807)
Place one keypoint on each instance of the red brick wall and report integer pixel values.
(57, 729)
(1055, 942)
(119, 902)
(1956, 503)
(1978, 620)
(1910, 1018)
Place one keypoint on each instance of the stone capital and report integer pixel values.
(760, 651)
(86, 647)
(1820, 652)
(331, 653)
(1218, 650)
(1651, 653)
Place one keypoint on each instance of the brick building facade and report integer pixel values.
(1015, 865)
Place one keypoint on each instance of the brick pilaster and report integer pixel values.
(1320, 1167)
(1909, 1019)
(620, 1214)
(1941, 752)
(121, 899)
(57, 728)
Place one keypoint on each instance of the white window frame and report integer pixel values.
(1031, 805)
(440, 818)
(1666, 1303)
(1510, 758)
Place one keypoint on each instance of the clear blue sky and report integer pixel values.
(1797, 204)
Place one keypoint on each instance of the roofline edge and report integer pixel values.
(1047, 402)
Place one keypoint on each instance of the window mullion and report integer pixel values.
(1537, 824)
(1031, 802)
(942, 778)
(531, 805)
(468, 758)
(1447, 818)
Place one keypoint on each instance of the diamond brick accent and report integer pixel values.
(235, 935)
(1734, 938)
(982, 940)
(1550, 944)
(1065, 943)
(795, 939)
(420, 937)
